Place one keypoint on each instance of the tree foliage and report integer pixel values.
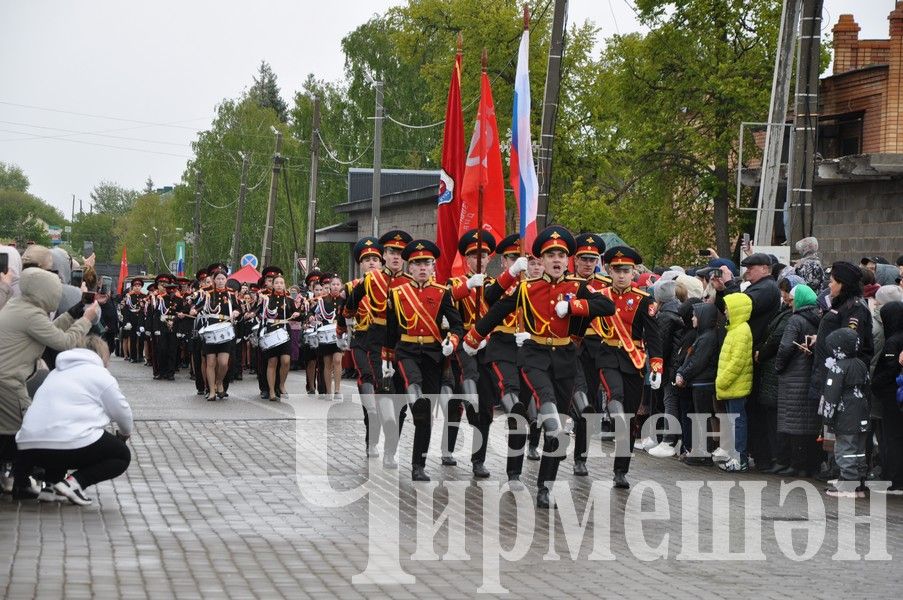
(12, 178)
(113, 199)
(149, 232)
(265, 91)
(100, 228)
(24, 217)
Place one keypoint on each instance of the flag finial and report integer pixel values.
(526, 17)
(485, 59)
(460, 42)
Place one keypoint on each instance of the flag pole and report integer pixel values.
(485, 61)
(523, 225)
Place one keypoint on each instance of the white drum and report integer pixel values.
(273, 338)
(310, 337)
(326, 334)
(218, 333)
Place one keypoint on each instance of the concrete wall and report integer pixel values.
(856, 219)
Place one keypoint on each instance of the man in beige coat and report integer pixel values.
(25, 330)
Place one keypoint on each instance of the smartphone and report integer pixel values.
(106, 285)
(746, 240)
(4, 262)
(87, 298)
(87, 249)
(704, 252)
(78, 276)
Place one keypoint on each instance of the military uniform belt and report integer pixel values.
(418, 339)
(550, 341)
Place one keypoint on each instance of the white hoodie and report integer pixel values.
(74, 404)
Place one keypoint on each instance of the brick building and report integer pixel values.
(857, 203)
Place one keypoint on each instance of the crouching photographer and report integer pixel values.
(64, 427)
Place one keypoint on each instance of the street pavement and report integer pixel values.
(219, 501)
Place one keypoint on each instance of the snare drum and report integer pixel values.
(310, 337)
(218, 333)
(326, 334)
(274, 338)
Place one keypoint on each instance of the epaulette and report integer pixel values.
(438, 285)
(640, 292)
(601, 277)
(574, 278)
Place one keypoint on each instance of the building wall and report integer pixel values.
(417, 219)
(856, 219)
(858, 91)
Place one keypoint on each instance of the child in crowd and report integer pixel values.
(844, 405)
(699, 369)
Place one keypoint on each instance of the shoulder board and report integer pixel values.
(574, 278)
(540, 278)
(639, 292)
(438, 285)
(601, 277)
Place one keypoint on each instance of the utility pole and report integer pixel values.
(377, 157)
(805, 122)
(312, 192)
(266, 251)
(550, 110)
(196, 241)
(242, 192)
(777, 115)
(72, 220)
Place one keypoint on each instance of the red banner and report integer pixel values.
(449, 198)
(123, 270)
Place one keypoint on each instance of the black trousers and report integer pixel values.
(167, 352)
(427, 373)
(626, 388)
(197, 352)
(105, 459)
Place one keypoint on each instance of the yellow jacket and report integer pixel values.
(735, 363)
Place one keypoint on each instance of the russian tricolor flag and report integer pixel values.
(522, 168)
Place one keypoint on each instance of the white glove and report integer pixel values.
(476, 280)
(521, 337)
(519, 266)
(156, 333)
(444, 323)
(470, 350)
(350, 322)
(388, 369)
(141, 329)
(128, 327)
(447, 347)
(655, 380)
(562, 308)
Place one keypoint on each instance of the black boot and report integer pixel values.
(419, 474)
(542, 499)
(580, 469)
(480, 471)
(620, 480)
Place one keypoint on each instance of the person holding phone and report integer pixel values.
(797, 419)
(10, 267)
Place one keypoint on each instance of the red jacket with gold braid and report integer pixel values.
(375, 286)
(414, 319)
(465, 299)
(536, 299)
(631, 335)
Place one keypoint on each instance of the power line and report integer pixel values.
(80, 114)
(336, 159)
(407, 126)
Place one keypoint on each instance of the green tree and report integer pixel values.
(149, 232)
(112, 198)
(98, 227)
(12, 178)
(242, 127)
(669, 105)
(265, 91)
(25, 218)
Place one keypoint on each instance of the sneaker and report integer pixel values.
(734, 466)
(645, 443)
(337, 397)
(71, 489)
(835, 492)
(721, 455)
(49, 494)
(663, 450)
(31, 492)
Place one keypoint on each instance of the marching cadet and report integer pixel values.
(414, 342)
(470, 301)
(131, 313)
(263, 297)
(368, 254)
(155, 323)
(548, 358)
(376, 287)
(621, 344)
(586, 258)
(275, 315)
(169, 306)
(196, 343)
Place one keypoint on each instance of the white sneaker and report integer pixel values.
(645, 443)
(721, 455)
(663, 450)
(71, 489)
(49, 494)
(734, 466)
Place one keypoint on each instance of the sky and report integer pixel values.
(106, 90)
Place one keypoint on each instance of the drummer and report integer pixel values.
(309, 353)
(220, 306)
(327, 309)
(276, 313)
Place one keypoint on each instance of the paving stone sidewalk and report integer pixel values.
(211, 507)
